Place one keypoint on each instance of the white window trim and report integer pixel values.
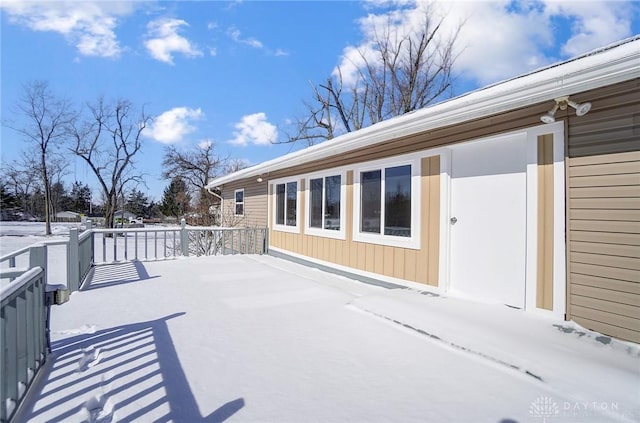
(412, 242)
(274, 203)
(235, 202)
(342, 232)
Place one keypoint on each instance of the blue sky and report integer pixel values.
(236, 73)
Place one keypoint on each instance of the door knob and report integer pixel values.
(453, 220)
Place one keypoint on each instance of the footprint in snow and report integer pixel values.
(98, 410)
(90, 357)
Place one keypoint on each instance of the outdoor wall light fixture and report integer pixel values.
(259, 179)
(562, 103)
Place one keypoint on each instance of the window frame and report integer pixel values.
(322, 232)
(236, 203)
(274, 205)
(413, 241)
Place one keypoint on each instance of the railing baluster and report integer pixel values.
(31, 333)
(115, 246)
(155, 243)
(165, 245)
(135, 238)
(12, 263)
(104, 248)
(174, 245)
(10, 371)
(124, 235)
(146, 255)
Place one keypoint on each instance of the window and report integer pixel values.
(370, 201)
(239, 197)
(397, 201)
(386, 203)
(324, 208)
(287, 204)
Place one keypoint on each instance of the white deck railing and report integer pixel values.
(23, 321)
(25, 303)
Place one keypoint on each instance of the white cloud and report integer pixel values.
(500, 39)
(497, 42)
(90, 26)
(254, 129)
(236, 36)
(204, 144)
(171, 126)
(163, 40)
(595, 23)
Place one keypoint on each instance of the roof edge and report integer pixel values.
(604, 66)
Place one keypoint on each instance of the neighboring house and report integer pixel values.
(126, 216)
(68, 216)
(476, 196)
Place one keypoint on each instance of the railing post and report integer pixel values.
(38, 258)
(184, 237)
(89, 227)
(73, 260)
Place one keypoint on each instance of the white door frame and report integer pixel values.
(557, 129)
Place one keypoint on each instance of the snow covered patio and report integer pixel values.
(256, 338)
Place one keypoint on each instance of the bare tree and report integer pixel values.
(107, 140)
(401, 69)
(196, 166)
(45, 128)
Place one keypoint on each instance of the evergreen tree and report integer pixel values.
(80, 198)
(137, 203)
(7, 199)
(176, 199)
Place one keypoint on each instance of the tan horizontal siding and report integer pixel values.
(608, 284)
(255, 204)
(607, 317)
(606, 294)
(629, 263)
(607, 328)
(605, 238)
(603, 212)
(604, 192)
(605, 226)
(631, 156)
(629, 275)
(605, 180)
(606, 249)
(619, 203)
(605, 169)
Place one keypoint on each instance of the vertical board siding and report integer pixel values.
(603, 207)
(413, 265)
(544, 285)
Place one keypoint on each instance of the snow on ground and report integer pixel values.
(17, 235)
(255, 338)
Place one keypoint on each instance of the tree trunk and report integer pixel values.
(109, 210)
(47, 194)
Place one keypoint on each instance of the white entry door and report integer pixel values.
(488, 220)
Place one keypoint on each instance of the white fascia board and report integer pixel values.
(601, 68)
